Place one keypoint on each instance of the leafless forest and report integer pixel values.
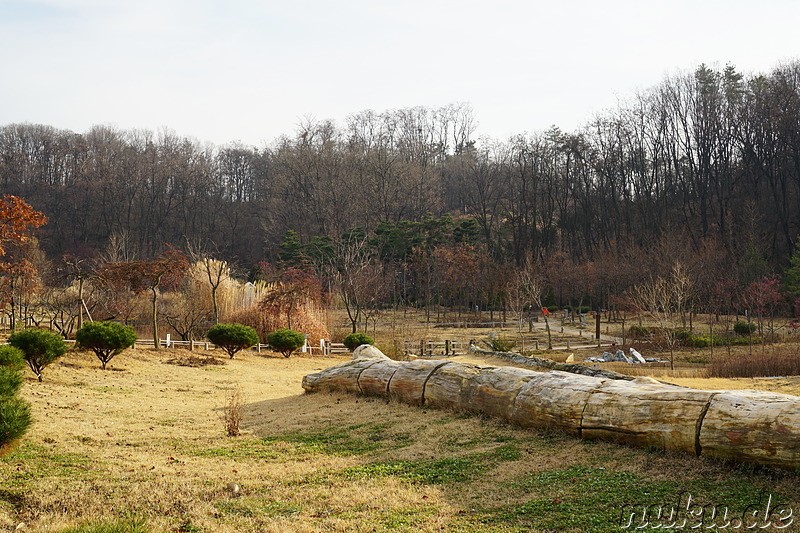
(412, 206)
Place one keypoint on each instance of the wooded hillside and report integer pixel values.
(703, 168)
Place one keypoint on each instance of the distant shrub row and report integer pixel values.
(582, 309)
(685, 337)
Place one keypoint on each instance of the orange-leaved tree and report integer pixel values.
(17, 218)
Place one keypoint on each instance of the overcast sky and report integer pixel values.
(246, 70)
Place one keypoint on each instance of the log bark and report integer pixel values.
(746, 425)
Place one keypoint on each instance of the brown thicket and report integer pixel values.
(295, 302)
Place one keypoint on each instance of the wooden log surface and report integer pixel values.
(744, 425)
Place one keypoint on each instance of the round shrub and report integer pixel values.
(232, 337)
(681, 335)
(15, 417)
(10, 381)
(15, 414)
(105, 339)
(499, 344)
(354, 340)
(638, 332)
(11, 357)
(39, 347)
(744, 328)
(286, 341)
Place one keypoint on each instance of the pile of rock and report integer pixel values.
(620, 357)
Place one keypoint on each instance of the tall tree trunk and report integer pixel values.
(155, 317)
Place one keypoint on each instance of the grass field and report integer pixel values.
(142, 447)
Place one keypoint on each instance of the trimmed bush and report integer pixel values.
(10, 381)
(232, 337)
(15, 416)
(105, 339)
(39, 348)
(354, 340)
(638, 332)
(584, 309)
(499, 344)
(286, 341)
(705, 340)
(744, 329)
(11, 357)
(683, 336)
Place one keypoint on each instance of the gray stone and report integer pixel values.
(637, 357)
(620, 357)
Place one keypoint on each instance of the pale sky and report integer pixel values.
(248, 70)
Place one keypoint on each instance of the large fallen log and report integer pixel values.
(744, 425)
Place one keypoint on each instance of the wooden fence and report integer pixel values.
(432, 348)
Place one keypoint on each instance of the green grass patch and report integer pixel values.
(403, 519)
(125, 525)
(253, 507)
(435, 472)
(33, 461)
(359, 439)
(362, 439)
(447, 470)
(581, 498)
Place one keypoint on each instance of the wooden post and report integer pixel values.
(597, 325)
(447, 347)
(711, 337)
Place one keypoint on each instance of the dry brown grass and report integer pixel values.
(773, 360)
(145, 437)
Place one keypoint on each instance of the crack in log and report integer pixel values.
(698, 450)
(425, 383)
(358, 377)
(389, 382)
(585, 405)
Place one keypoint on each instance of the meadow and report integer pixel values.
(143, 447)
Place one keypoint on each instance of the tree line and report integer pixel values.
(702, 169)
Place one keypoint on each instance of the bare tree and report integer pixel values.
(665, 300)
(357, 277)
(525, 291)
(215, 270)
